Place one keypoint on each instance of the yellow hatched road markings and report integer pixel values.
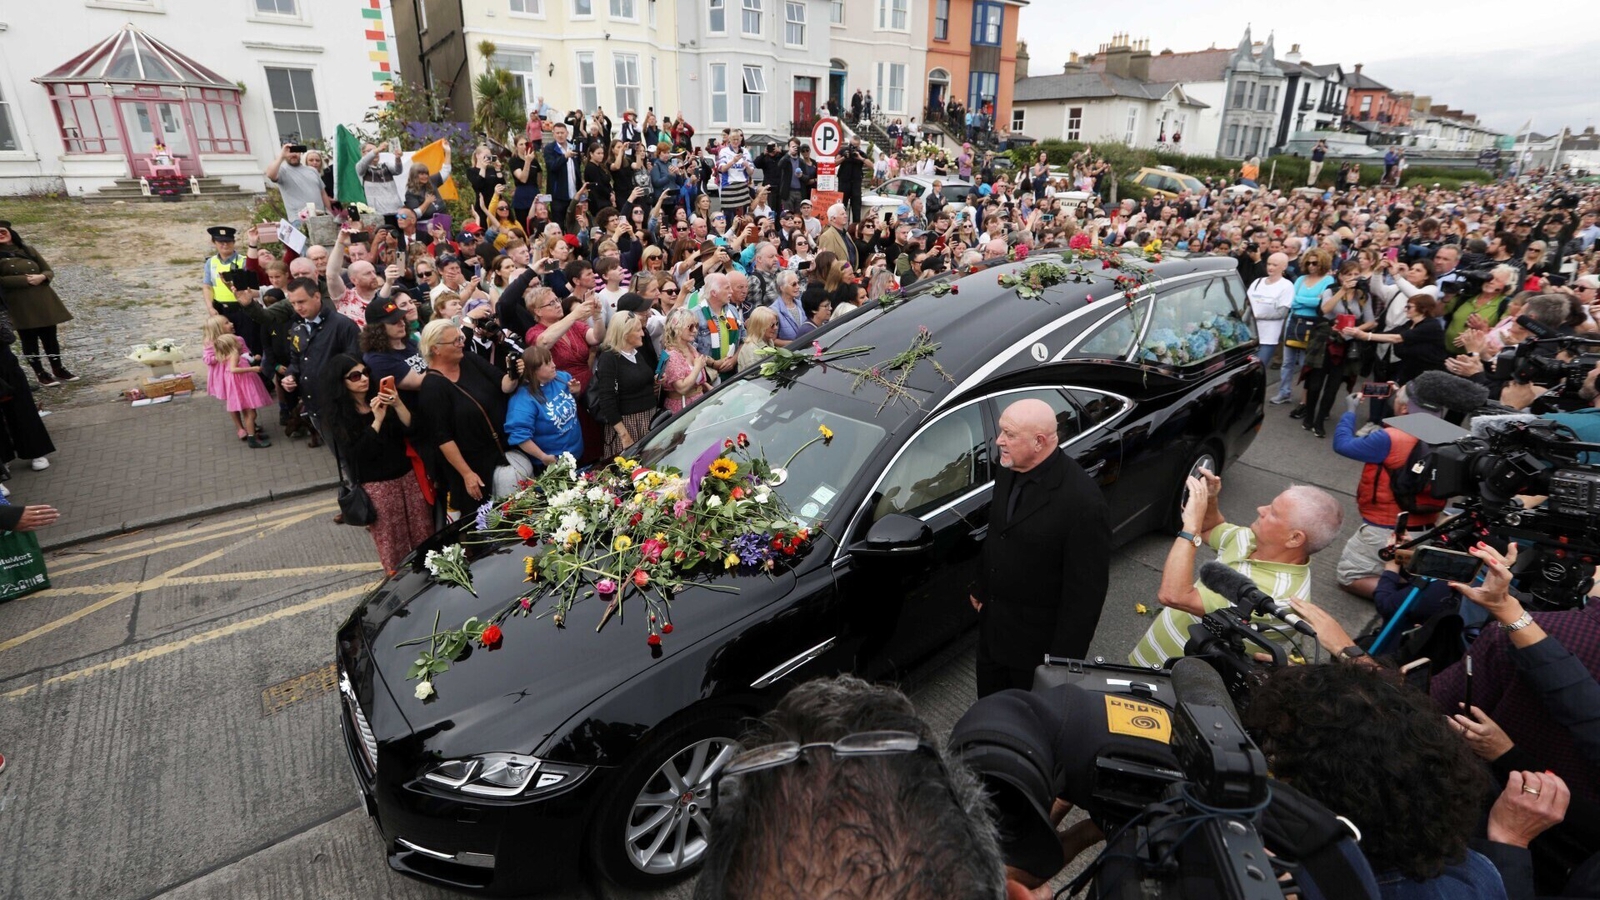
(194, 640)
(199, 536)
(219, 578)
(149, 584)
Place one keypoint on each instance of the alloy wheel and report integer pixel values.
(670, 824)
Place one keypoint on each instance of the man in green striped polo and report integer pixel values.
(1274, 552)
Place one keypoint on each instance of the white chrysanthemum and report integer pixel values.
(598, 495)
(713, 501)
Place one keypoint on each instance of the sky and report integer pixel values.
(1479, 58)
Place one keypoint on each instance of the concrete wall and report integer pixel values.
(864, 46)
(700, 49)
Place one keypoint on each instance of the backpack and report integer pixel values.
(1409, 482)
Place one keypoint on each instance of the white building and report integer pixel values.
(1435, 126)
(881, 46)
(1118, 104)
(1314, 97)
(757, 65)
(88, 87)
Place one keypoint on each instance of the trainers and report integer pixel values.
(45, 379)
(258, 443)
(1279, 401)
(61, 373)
(4, 491)
(40, 464)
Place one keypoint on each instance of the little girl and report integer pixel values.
(235, 378)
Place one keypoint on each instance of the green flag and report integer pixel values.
(347, 187)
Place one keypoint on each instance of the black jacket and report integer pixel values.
(622, 388)
(310, 345)
(1043, 574)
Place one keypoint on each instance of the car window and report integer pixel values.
(895, 188)
(1147, 179)
(1098, 407)
(1114, 338)
(1168, 183)
(777, 420)
(955, 193)
(944, 461)
(1069, 421)
(1195, 323)
(1191, 184)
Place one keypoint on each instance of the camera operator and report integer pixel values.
(1484, 367)
(1535, 706)
(843, 794)
(1481, 310)
(1274, 551)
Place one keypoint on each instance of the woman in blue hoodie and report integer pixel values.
(542, 416)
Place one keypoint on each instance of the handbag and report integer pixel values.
(1298, 332)
(354, 504)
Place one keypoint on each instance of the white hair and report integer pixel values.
(1506, 273)
(1316, 513)
(786, 277)
(717, 283)
(836, 210)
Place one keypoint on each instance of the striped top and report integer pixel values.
(1234, 544)
(719, 335)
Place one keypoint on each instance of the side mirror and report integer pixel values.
(895, 535)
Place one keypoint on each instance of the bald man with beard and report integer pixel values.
(1046, 559)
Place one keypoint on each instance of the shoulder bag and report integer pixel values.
(1297, 333)
(354, 504)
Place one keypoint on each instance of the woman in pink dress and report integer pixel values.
(683, 368)
(238, 384)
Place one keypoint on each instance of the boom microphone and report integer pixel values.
(1194, 681)
(1241, 591)
(1490, 426)
(1441, 392)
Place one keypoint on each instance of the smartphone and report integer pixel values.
(1467, 703)
(1445, 565)
(1392, 253)
(888, 217)
(297, 148)
(1374, 390)
(386, 384)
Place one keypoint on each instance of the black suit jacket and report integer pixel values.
(1043, 573)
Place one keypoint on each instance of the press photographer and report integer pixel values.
(1527, 366)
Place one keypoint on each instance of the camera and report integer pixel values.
(1537, 361)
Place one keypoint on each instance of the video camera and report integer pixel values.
(1535, 361)
(1504, 457)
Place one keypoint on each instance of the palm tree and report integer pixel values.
(499, 108)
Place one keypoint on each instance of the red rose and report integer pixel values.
(667, 628)
(525, 531)
(955, 288)
(738, 493)
(727, 444)
(744, 439)
(641, 577)
(679, 555)
(636, 519)
(616, 501)
(491, 637)
(653, 640)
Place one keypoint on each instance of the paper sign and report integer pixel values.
(1130, 717)
(290, 237)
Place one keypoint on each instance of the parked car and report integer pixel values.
(1166, 182)
(573, 751)
(897, 192)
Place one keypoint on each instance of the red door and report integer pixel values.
(805, 106)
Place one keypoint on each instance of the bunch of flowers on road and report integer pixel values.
(622, 533)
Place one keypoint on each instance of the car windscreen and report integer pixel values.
(778, 420)
(1190, 183)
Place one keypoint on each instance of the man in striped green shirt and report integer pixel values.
(1274, 552)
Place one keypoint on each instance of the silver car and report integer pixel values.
(897, 192)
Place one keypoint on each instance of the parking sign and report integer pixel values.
(827, 136)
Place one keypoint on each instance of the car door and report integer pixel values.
(901, 607)
(1092, 444)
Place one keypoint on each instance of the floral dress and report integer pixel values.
(677, 367)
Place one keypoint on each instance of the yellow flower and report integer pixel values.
(826, 432)
(1141, 609)
(731, 560)
(527, 566)
(724, 468)
(622, 543)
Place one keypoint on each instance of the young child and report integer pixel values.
(235, 378)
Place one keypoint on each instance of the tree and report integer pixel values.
(499, 110)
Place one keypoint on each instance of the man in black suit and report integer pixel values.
(564, 174)
(1046, 560)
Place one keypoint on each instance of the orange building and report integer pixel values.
(972, 54)
(1369, 100)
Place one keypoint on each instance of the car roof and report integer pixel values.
(930, 179)
(995, 341)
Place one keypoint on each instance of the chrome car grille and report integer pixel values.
(358, 720)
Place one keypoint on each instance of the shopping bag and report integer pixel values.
(22, 568)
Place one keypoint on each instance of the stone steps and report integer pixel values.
(128, 190)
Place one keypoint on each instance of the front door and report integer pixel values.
(836, 89)
(149, 122)
(805, 101)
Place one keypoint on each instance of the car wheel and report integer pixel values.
(655, 825)
(1207, 457)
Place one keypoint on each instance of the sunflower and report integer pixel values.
(724, 468)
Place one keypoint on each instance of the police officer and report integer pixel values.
(219, 295)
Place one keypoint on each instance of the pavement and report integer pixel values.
(120, 468)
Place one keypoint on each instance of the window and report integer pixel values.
(217, 126)
(941, 20)
(892, 93)
(836, 12)
(1233, 140)
(527, 7)
(755, 85)
(982, 87)
(1194, 324)
(588, 90)
(626, 68)
(988, 17)
(1250, 95)
(750, 21)
(893, 14)
(1366, 104)
(719, 93)
(1074, 123)
(8, 132)
(718, 12)
(624, 9)
(1069, 423)
(88, 123)
(294, 105)
(650, 4)
(794, 23)
(278, 8)
(524, 68)
(1113, 339)
(1097, 408)
(1255, 141)
(1133, 125)
(655, 79)
(1018, 116)
(583, 9)
(949, 458)
(421, 8)
(1238, 93)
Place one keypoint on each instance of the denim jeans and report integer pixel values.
(1293, 357)
(1265, 352)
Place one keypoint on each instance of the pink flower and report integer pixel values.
(605, 586)
(1081, 241)
(526, 604)
(680, 509)
(1021, 252)
(652, 550)
(816, 349)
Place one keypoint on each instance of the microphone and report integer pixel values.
(1194, 681)
(1490, 426)
(1241, 591)
(1442, 392)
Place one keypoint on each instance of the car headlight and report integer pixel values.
(503, 775)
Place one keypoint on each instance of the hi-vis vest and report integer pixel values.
(220, 292)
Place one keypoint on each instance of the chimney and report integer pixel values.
(1074, 64)
(1117, 54)
(1358, 70)
(1293, 55)
(1022, 60)
(1139, 62)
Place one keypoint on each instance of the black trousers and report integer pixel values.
(558, 211)
(1323, 386)
(996, 675)
(33, 337)
(852, 199)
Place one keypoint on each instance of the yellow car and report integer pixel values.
(1165, 182)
